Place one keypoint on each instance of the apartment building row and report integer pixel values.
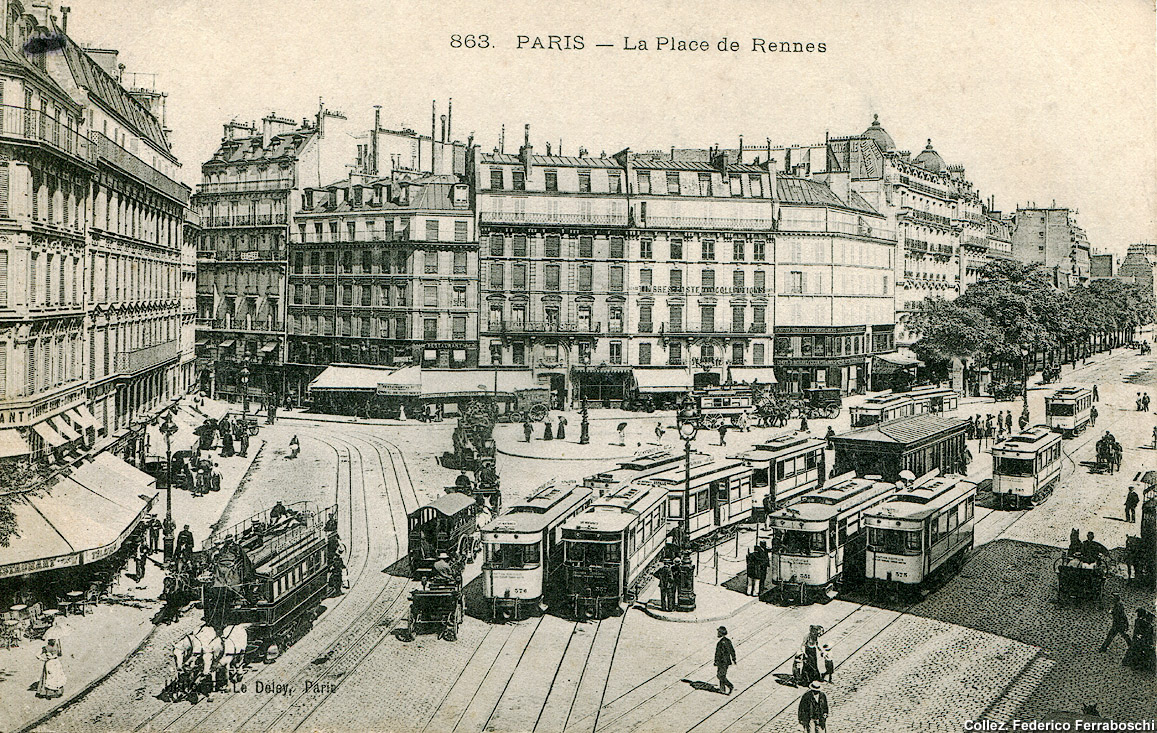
(91, 233)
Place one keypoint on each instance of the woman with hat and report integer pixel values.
(51, 672)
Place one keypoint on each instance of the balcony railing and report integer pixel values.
(699, 222)
(791, 224)
(925, 217)
(245, 323)
(523, 217)
(544, 327)
(257, 255)
(131, 362)
(111, 152)
(246, 220)
(277, 184)
(393, 235)
(722, 329)
(35, 126)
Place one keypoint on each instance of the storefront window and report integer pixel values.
(806, 346)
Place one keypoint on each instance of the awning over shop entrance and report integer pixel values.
(749, 374)
(895, 362)
(84, 417)
(416, 382)
(663, 380)
(50, 436)
(82, 518)
(63, 428)
(349, 377)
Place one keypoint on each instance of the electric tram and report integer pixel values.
(1026, 467)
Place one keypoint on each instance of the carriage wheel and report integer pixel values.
(538, 412)
(831, 412)
(712, 421)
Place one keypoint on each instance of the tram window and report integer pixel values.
(722, 491)
(797, 542)
(953, 519)
(673, 507)
(935, 531)
(810, 461)
(780, 470)
(702, 502)
(893, 541)
(1014, 466)
(506, 557)
(968, 509)
(759, 477)
(843, 531)
(1059, 409)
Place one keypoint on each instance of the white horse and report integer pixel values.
(198, 656)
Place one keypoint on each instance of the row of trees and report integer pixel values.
(1014, 314)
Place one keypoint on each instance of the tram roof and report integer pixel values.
(537, 511)
(450, 503)
(906, 430)
(780, 445)
(891, 398)
(835, 498)
(617, 510)
(924, 500)
(700, 473)
(640, 467)
(1068, 393)
(1028, 441)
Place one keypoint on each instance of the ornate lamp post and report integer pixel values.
(168, 428)
(685, 570)
(245, 389)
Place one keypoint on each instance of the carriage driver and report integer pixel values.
(443, 570)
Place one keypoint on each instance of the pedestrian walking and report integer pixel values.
(527, 429)
(1093, 416)
(1141, 655)
(659, 431)
(154, 534)
(560, 434)
(52, 679)
(1096, 395)
(803, 428)
(243, 439)
(622, 433)
(1145, 402)
(1120, 624)
(722, 434)
(548, 431)
(215, 478)
(724, 658)
(829, 663)
(763, 562)
(666, 585)
(184, 548)
(811, 661)
(1131, 502)
(813, 709)
(294, 447)
(742, 423)
(1137, 402)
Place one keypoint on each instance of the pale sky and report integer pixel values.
(1038, 100)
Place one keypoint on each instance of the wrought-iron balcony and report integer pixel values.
(35, 126)
(245, 323)
(137, 360)
(498, 326)
(524, 217)
(277, 184)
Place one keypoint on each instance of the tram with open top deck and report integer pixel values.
(523, 548)
(920, 533)
(784, 468)
(895, 405)
(817, 543)
(608, 549)
(707, 502)
(1026, 467)
(1068, 411)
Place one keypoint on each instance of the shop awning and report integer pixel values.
(749, 374)
(895, 363)
(227, 344)
(201, 342)
(82, 518)
(663, 380)
(61, 426)
(269, 346)
(349, 378)
(49, 435)
(11, 444)
(85, 418)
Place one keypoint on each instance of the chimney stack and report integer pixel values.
(64, 11)
(449, 119)
(526, 151)
(374, 150)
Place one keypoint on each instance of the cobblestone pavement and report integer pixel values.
(990, 643)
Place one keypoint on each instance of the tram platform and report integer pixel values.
(712, 603)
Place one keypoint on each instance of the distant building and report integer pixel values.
(1139, 265)
(1051, 238)
(1101, 266)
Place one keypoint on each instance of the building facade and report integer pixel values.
(90, 243)
(1051, 238)
(1139, 265)
(383, 272)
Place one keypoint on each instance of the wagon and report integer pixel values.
(1078, 581)
(822, 402)
(439, 607)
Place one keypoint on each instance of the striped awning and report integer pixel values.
(49, 435)
(61, 426)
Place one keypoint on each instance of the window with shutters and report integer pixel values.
(553, 245)
(616, 279)
(644, 354)
(617, 248)
(646, 249)
(551, 180)
(3, 369)
(519, 249)
(584, 180)
(63, 284)
(645, 325)
(760, 283)
(795, 283)
(497, 245)
(616, 352)
(673, 182)
(432, 230)
(347, 294)
(586, 247)
(755, 184)
(757, 354)
(459, 263)
(496, 275)
(708, 252)
(518, 179)
(458, 297)
(518, 281)
(4, 189)
(552, 274)
(458, 328)
(33, 280)
(737, 281)
(676, 282)
(738, 250)
(644, 279)
(461, 231)
(35, 194)
(675, 318)
(33, 354)
(496, 179)
(644, 181)
(707, 280)
(431, 264)
(430, 296)
(614, 182)
(585, 277)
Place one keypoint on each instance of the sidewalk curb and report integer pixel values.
(674, 617)
(624, 457)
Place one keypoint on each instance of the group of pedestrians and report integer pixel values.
(993, 427)
(1139, 647)
(758, 561)
(549, 432)
(1142, 402)
(1109, 452)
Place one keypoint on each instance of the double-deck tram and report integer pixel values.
(895, 405)
(817, 543)
(608, 548)
(785, 468)
(1068, 411)
(1026, 467)
(920, 532)
(524, 548)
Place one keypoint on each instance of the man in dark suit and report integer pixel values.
(724, 658)
(1120, 624)
(813, 709)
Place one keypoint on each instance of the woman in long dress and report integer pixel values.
(52, 678)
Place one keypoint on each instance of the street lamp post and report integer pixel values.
(168, 428)
(245, 390)
(685, 572)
